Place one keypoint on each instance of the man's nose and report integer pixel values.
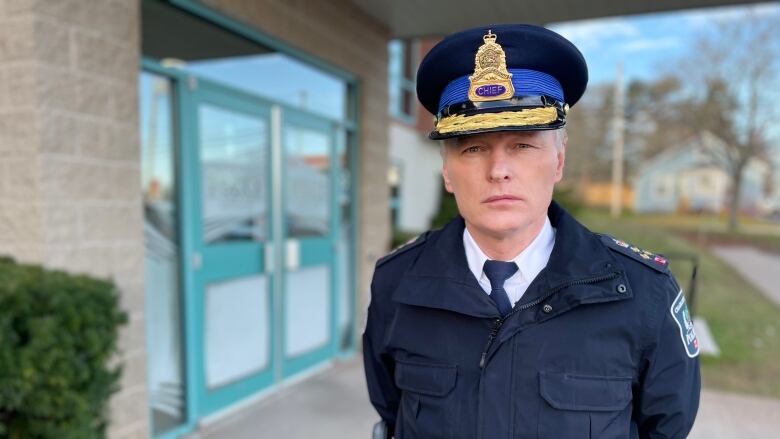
(500, 168)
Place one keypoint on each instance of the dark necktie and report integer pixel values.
(498, 272)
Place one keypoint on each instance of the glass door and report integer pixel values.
(311, 229)
(228, 159)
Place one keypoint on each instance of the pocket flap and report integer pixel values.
(566, 391)
(426, 379)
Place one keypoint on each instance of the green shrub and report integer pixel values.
(57, 334)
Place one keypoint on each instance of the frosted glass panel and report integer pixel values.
(307, 310)
(237, 329)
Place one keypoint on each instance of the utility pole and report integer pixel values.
(618, 124)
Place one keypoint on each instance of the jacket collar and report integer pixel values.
(440, 276)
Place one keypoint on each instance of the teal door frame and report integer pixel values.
(221, 261)
(345, 132)
(314, 250)
(225, 261)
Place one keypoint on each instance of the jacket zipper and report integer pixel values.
(500, 322)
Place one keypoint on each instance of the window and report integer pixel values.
(402, 68)
(194, 45)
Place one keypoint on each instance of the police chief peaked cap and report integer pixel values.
(500, 77)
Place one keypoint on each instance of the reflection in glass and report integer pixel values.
(345, 243)
(233, 154)
(308, 181)
(212, 52)
(281, 78)
(164, 338)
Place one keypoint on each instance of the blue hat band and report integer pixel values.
(526, 83)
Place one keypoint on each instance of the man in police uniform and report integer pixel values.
(514, 320)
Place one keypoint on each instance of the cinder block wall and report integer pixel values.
(70, 193)
(343, 35)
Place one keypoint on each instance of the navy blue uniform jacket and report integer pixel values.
(592, 350)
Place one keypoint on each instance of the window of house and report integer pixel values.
(402, 68)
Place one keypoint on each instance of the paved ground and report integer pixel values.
(761, 268)
(334, 405)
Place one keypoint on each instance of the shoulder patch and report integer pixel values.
(403, 248)
(652, 260)
(682, 317)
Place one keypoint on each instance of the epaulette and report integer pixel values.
(652, 260)
(403, 248)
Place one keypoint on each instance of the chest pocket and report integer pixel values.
(584, 406)
(426, 401)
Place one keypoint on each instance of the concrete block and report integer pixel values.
(68, 179)
(111, 222)
(100, 56)
(127, 262)
(17, 42)
(133, 297)
(60, 132)
(131, 337)
(60, 223)
(94, 97)
(19, 132)
(56, 88)
(138, 430)
(52, 43)
(23, 252)
(133, 370)
(64, 257)
(118, 21)
(126, 107)
(75, 13)
(21, 178)
(21, 86)
(124, 143)
(128, 407)
(19, 222)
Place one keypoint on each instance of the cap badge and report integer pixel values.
(491, 80)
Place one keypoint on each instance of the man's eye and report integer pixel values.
(523, 146)
(472, 149)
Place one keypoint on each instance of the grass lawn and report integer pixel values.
(745, 324)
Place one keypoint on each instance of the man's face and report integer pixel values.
(503, 181)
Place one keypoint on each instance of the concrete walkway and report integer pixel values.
(334, 405)
(761, 268)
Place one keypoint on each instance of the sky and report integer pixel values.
(644, 42)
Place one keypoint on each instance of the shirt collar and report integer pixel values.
(530, 261)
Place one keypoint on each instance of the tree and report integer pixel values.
(732, 72)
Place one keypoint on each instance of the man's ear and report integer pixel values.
(561, 157)
(446, 176)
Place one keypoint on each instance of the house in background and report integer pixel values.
(415, 163)
(687, 179)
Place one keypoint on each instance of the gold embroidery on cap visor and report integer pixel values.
(528, 117)
(491, 80)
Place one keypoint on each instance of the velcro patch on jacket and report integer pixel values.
(682, 316)
(652, 260)
(403, 248)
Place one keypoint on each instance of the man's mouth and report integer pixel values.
(501, 198)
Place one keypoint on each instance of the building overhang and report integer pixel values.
(423, 18)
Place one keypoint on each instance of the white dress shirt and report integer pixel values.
(529, 262)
